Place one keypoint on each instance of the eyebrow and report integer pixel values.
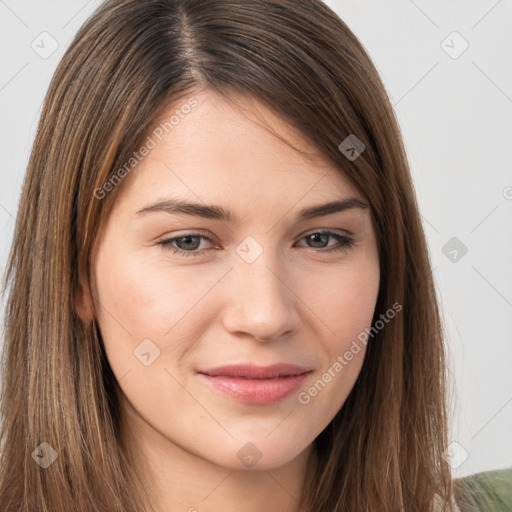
(218, 213)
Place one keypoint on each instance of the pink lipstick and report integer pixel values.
(257, 385)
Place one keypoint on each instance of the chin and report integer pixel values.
(256, 455)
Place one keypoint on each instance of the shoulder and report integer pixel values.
(489, 491)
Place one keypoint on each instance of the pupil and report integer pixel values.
(316, 235)
(187, 241)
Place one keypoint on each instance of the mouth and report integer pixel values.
(248, 371)
(256, 385)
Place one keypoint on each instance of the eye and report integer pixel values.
(319, 238)
(188, 244)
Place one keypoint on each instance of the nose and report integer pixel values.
(260, 301)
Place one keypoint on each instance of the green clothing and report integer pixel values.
(489, 491)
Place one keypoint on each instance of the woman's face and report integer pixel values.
(260, 288)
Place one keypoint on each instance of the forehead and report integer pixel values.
(232, 150)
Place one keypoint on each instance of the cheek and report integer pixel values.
(345, 300)
(142, 297)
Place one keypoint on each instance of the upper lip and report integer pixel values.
(249, 371)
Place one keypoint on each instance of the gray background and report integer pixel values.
(454, 108)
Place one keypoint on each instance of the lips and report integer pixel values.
(256, 385)
(256, 372)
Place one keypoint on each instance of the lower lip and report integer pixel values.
(256, 391)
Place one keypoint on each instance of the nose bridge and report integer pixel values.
(259, 302)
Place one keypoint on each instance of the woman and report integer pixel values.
(220, 287)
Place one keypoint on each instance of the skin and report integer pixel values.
(294, 303)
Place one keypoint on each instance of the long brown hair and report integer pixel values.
(383, 450)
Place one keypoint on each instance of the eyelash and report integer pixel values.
(345, 243)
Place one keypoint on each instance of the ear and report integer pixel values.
(83, 300)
